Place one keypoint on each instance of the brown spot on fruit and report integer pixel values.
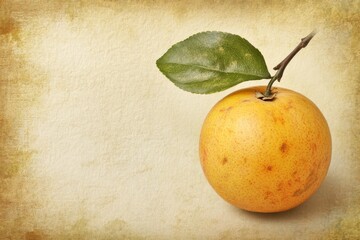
(310, 180)
(230, 131)
(277, 119)
(313, 148)
(274, 118)
(224, 161)
(267, 194)
(282, 121)
(269, 168)
(246, 100)
(284, 147)
(289, 183)
(204, 156)
(289, 106)
(280, 186)
(297, 192)
(225, 109)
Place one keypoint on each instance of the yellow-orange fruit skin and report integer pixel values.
(265, 156)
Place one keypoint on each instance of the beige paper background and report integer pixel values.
(95, 143)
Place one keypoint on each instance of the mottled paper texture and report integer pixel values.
(95, 143)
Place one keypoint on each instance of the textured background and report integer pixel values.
(95, 143)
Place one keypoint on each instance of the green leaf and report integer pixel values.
(210, 62)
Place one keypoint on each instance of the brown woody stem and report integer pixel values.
(281, 66)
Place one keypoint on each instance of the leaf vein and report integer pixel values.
(216, 70)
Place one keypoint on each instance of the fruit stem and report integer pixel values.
(268, 95)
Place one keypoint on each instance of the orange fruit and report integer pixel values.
(265, 156)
